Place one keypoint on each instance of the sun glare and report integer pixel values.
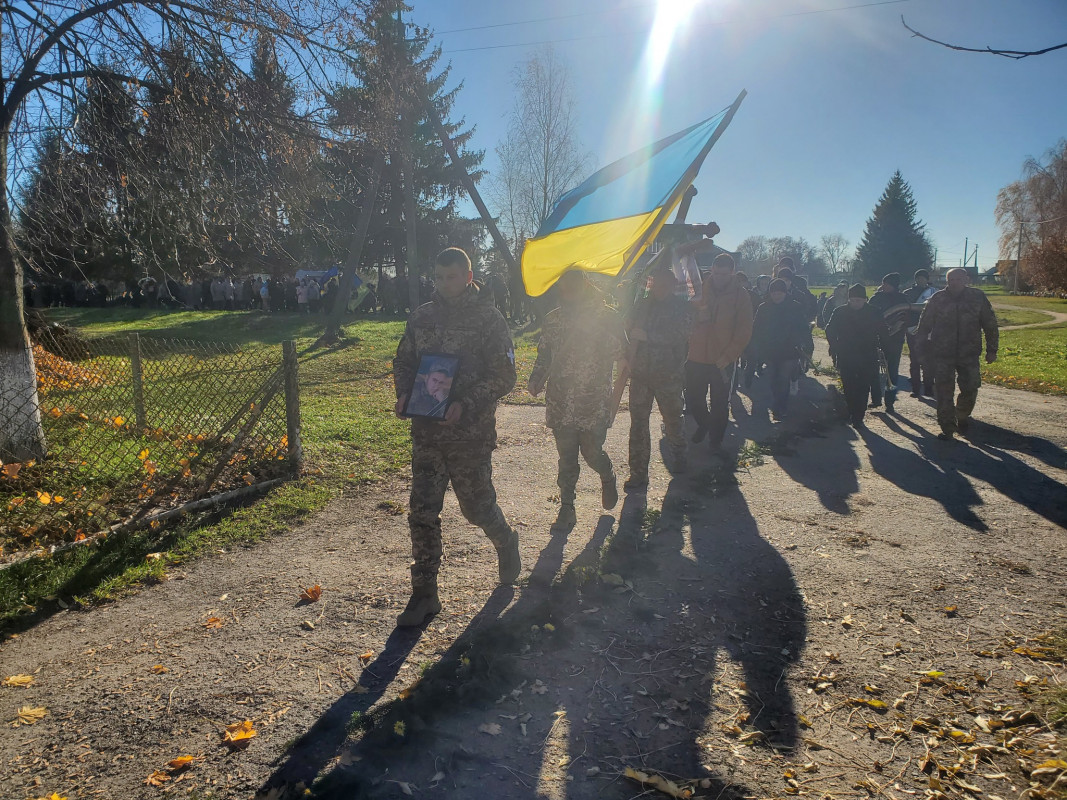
(670, 16)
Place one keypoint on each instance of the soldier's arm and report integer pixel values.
(499, 372)
(406, 363)
(926, 318)
(539, 375)
(988, 320)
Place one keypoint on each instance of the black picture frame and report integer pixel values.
(431, 392)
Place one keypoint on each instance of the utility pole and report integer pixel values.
(966, 244)
(976, 258)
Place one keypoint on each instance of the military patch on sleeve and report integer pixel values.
(511, 355)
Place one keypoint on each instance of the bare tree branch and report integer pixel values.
(1014, 54)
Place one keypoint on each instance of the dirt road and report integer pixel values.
(855, 616)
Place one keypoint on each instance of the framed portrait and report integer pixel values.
(429, 396)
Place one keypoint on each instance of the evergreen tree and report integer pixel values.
(894, 241)
(381, 111)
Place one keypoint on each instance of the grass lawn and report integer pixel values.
(1033, 359)
(998, 295)
(1009, 316)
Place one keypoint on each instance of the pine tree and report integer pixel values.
(894, 241)
(382, 111)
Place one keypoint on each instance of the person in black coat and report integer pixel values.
(855, 333)
(781, 336)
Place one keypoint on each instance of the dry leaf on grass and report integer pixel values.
(213, 622)
(492, 728)
(29, 715)
(311, 594)
(157, 778)
(53, 796)
(658, 782)
(181, 762)
(239, 734)
(23, 681)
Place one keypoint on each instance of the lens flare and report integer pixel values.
(670, 16)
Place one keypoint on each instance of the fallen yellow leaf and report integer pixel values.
(239, 734)
(181, 762)
(159, 669)
(19, 680)
(44, 498)
(157, 778)
(213, 622)
(29, 715)
(311, 594)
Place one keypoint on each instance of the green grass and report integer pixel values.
(997, 295)
(1006, 316)
(1034, 359)
(350, 436)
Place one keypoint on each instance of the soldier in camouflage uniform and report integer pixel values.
(658, 327)
(580, 341)
(951, 329)
(458, 322)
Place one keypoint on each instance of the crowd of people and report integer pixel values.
(674, 349)
(389, 296)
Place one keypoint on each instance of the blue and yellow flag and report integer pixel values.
(605, 224)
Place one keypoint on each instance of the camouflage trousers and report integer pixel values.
(667, 392)
(946, 374)
(469, 467)
(569, 443)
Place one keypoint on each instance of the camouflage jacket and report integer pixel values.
(954, 325)
(575, 355)
(473, 330)
(667, 323)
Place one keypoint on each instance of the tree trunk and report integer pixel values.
(21, 433)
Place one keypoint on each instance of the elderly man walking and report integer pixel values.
(951, 327)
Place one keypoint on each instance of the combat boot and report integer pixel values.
(609, 492)
(424, 603)
(509, 562)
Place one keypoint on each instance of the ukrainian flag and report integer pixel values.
(605, 224)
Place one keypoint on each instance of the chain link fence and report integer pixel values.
(142, 429)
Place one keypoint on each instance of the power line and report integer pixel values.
(786, 15)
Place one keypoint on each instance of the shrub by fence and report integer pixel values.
(142, 429)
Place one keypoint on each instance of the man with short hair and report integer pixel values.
(658, 327)
(580, 343)
(855, 332)
(722, 327)
(952, 323)
(797, 288)
(458, 449)
(781, 335)
(922, 381)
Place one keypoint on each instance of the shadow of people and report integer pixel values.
(302, 762)
(919, 476)
(726, 590)
(978, 458)
(830, 470)
(984, 435)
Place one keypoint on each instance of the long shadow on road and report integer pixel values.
(940, 470)
(608, 663)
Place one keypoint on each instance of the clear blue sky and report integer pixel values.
(836, 101)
